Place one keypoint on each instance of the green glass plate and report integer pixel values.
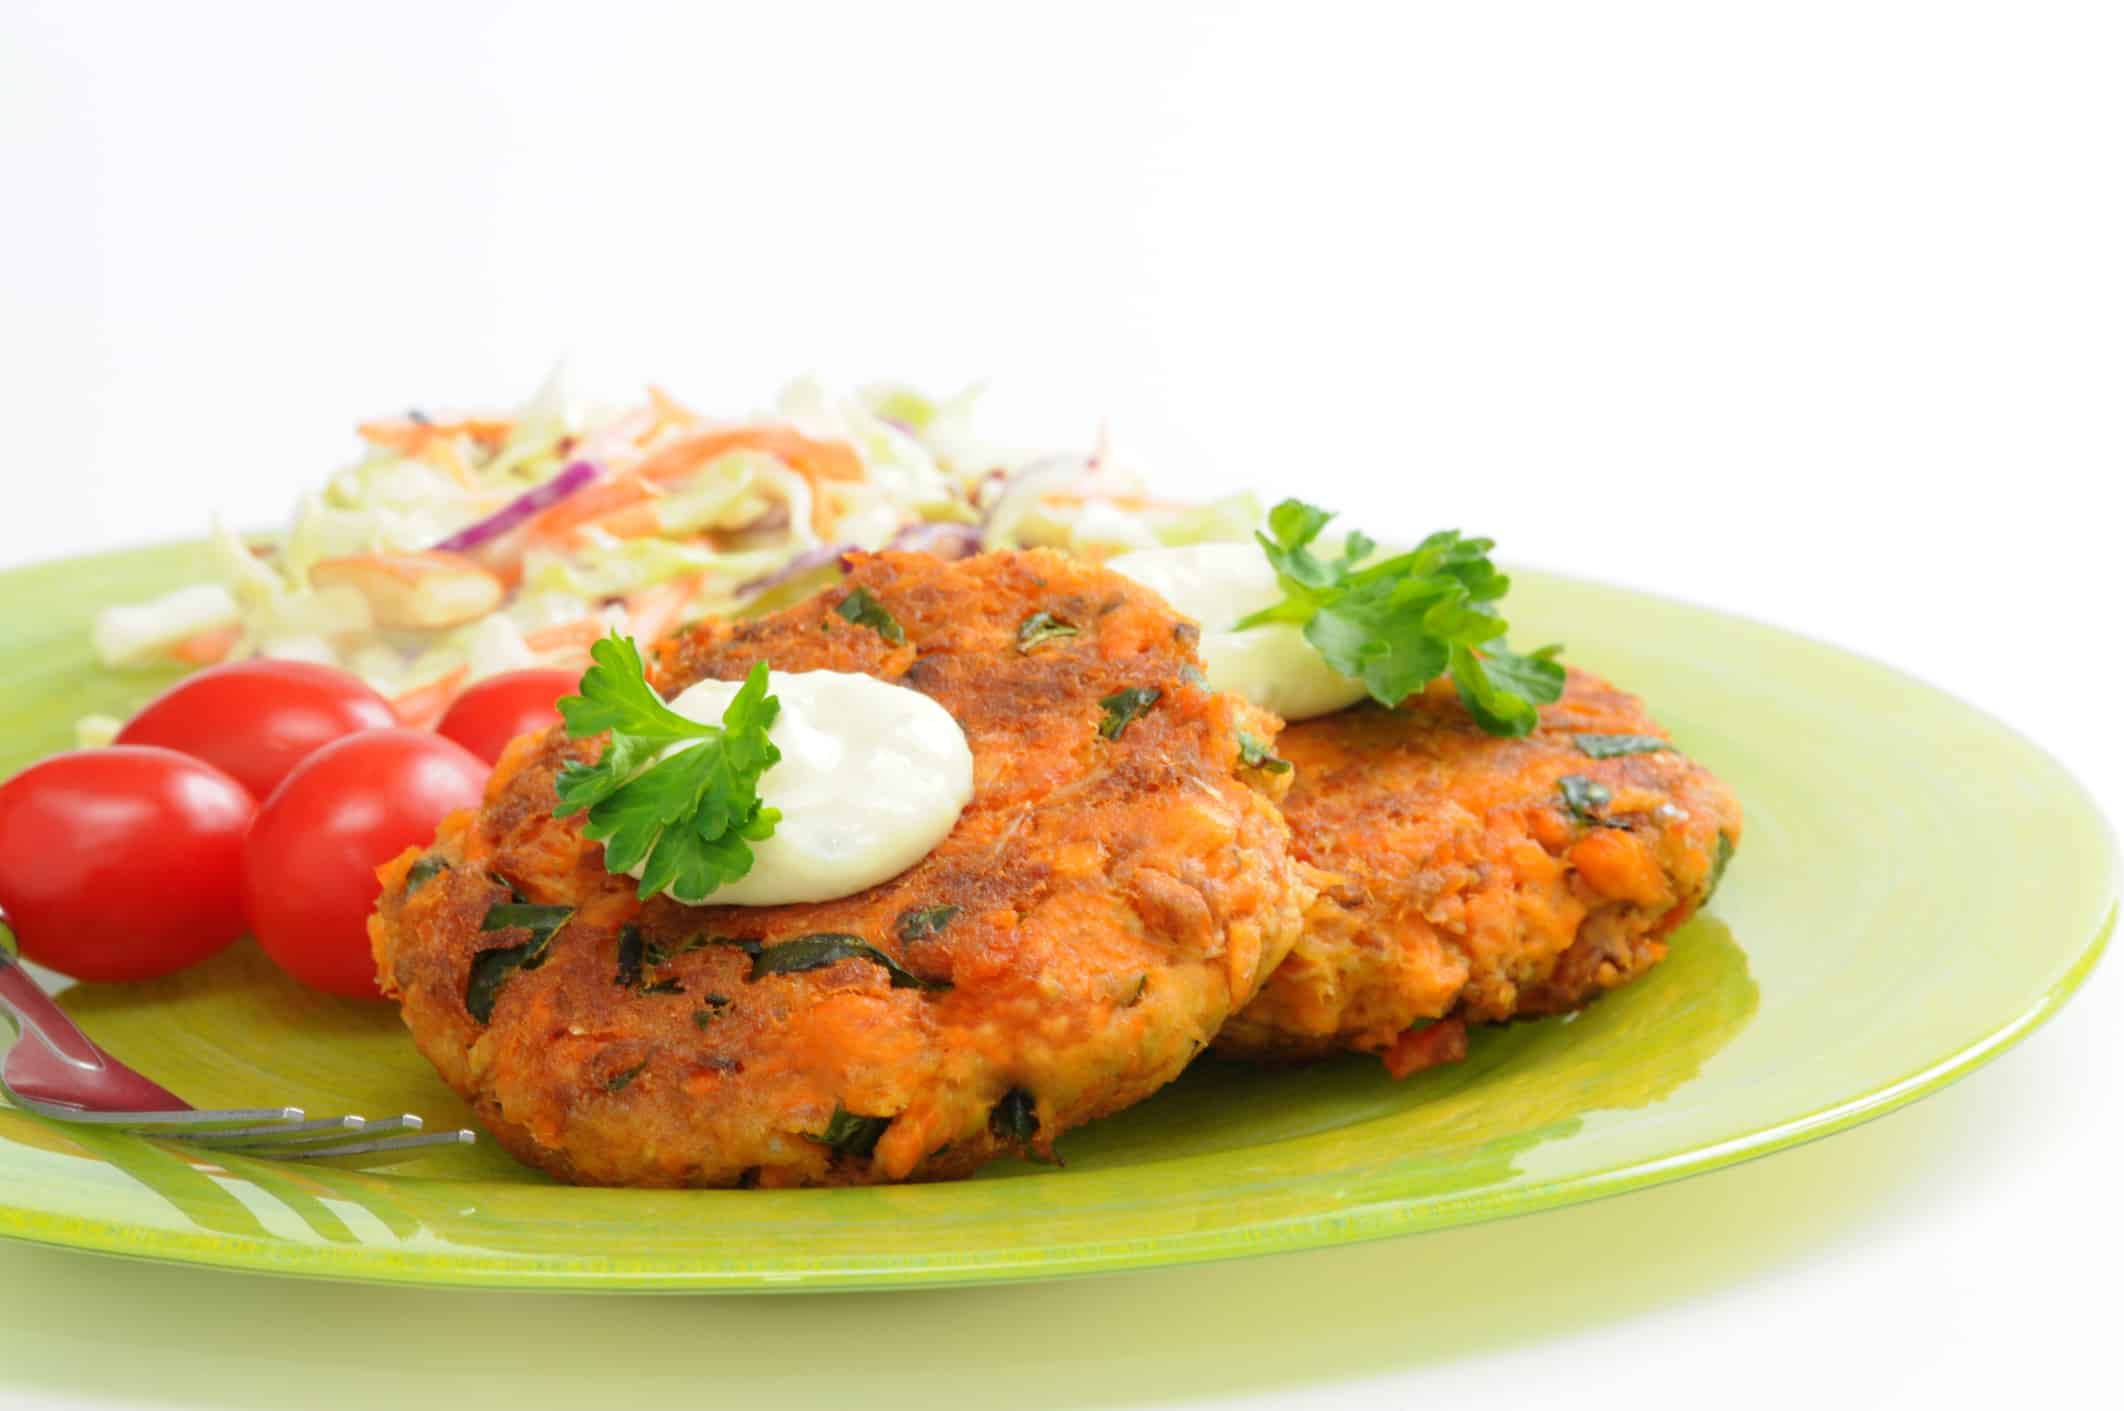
(1918, 888)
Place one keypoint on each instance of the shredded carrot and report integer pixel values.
(669, 413)
(424, 706)
(206, 648)
(404, 437)
(405, 565)
(579, 633)
(815, 460)
(819, 462)
(587, 504)
(409, 437)
(1127, 502)
(636, 521)
(657, 609)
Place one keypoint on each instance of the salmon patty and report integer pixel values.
(1463, 877)
(1118, 887)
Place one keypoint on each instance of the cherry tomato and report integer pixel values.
(309, 864)
(257, 720)
(122, 863)
(495, 711)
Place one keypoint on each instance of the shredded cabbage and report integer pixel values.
(1103, 529)
(138, 633)
(299, 646)
(487, 647)
(896, 464)
(616, 568)
(726, 493)
(1232, 519)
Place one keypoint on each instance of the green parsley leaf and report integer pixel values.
(857, 1136)
(492, 968)
(1501, 689)
(923, 921)
(1122, 707)
(1538, 676)
(616, 698)
(687, 818)
(1718, 864)
(504, 916)
(818, 951)
(619, 1081)
(1254, 753)
(1040, 628)
(1616, 746)
(635, 954)
(629, 976)
(1584, 797)
(1400, 623)
(658, 953)
(424, 871)
(865, 611)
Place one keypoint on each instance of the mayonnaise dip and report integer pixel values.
(872, 776)
(1273, 665)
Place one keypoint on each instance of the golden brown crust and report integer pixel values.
(1454, 880)
(1117, 899)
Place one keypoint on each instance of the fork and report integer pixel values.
(58, 1072)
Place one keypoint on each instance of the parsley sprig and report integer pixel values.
(686, 816)
(1400, 623)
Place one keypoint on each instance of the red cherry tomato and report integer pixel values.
(495, 711)
(122, 863)
(256, 720)
(309, 864)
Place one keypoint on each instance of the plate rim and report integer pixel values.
(1390, 1219)
(1382, 1216)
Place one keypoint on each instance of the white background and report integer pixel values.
(1811, 312)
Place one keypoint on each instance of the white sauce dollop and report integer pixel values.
(1273, 666)
(872, 776)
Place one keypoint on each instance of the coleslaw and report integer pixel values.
(459, 547)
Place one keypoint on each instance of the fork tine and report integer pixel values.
(332, 1127)
(52, 1059)
(373, 1153)
(205, 1119)
(327, 1141)
(333, 1133)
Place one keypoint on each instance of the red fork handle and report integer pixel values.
(39, 1016)
(54, 1062)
